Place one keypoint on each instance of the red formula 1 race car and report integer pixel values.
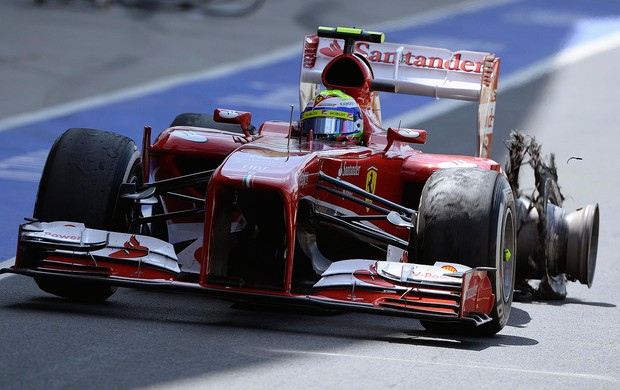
(332, 211)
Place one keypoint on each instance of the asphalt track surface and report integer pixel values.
(55, 59)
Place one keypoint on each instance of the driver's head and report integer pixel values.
(334, 116)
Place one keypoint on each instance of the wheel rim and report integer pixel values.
(506, 256)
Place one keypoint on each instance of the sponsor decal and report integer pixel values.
(318, 99)
(410, 133)
(449, 268)
(61, 236)
(327, 114)
(259, 162)
(254, 168)
(239, 140)
(429, 275)
(229, 114)
(334, 49)
(371, 182)
(191, 136)
(457, 164)
(408, 58)
(133, 250)
(348, 170)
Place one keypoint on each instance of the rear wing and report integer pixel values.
(414, 70)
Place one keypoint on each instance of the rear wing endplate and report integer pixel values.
(416, 70)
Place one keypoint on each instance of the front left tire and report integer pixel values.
(80, 183)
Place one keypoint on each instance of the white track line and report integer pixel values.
(446, 364)
(142, 90)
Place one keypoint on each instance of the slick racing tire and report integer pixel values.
(467, 216)
(80, 183)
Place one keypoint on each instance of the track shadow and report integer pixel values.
(571, 301)
(518, 318)
(153, 308)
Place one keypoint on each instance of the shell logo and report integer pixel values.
(449, 268)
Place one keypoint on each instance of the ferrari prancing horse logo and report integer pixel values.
(371, 182)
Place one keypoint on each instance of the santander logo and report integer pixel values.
(133, 250)
(408, 58)
(333, 50)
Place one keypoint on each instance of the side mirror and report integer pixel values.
(411, 136)
(240, 118)
(397, 220)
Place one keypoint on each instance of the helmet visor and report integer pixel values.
(328, 126)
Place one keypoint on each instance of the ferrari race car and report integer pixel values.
(291, 213)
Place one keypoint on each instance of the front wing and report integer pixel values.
(69, 251)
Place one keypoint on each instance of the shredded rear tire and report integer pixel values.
(552, 285)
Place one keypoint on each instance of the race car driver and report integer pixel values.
(333, 116)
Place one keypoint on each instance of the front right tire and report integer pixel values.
(467, 216)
